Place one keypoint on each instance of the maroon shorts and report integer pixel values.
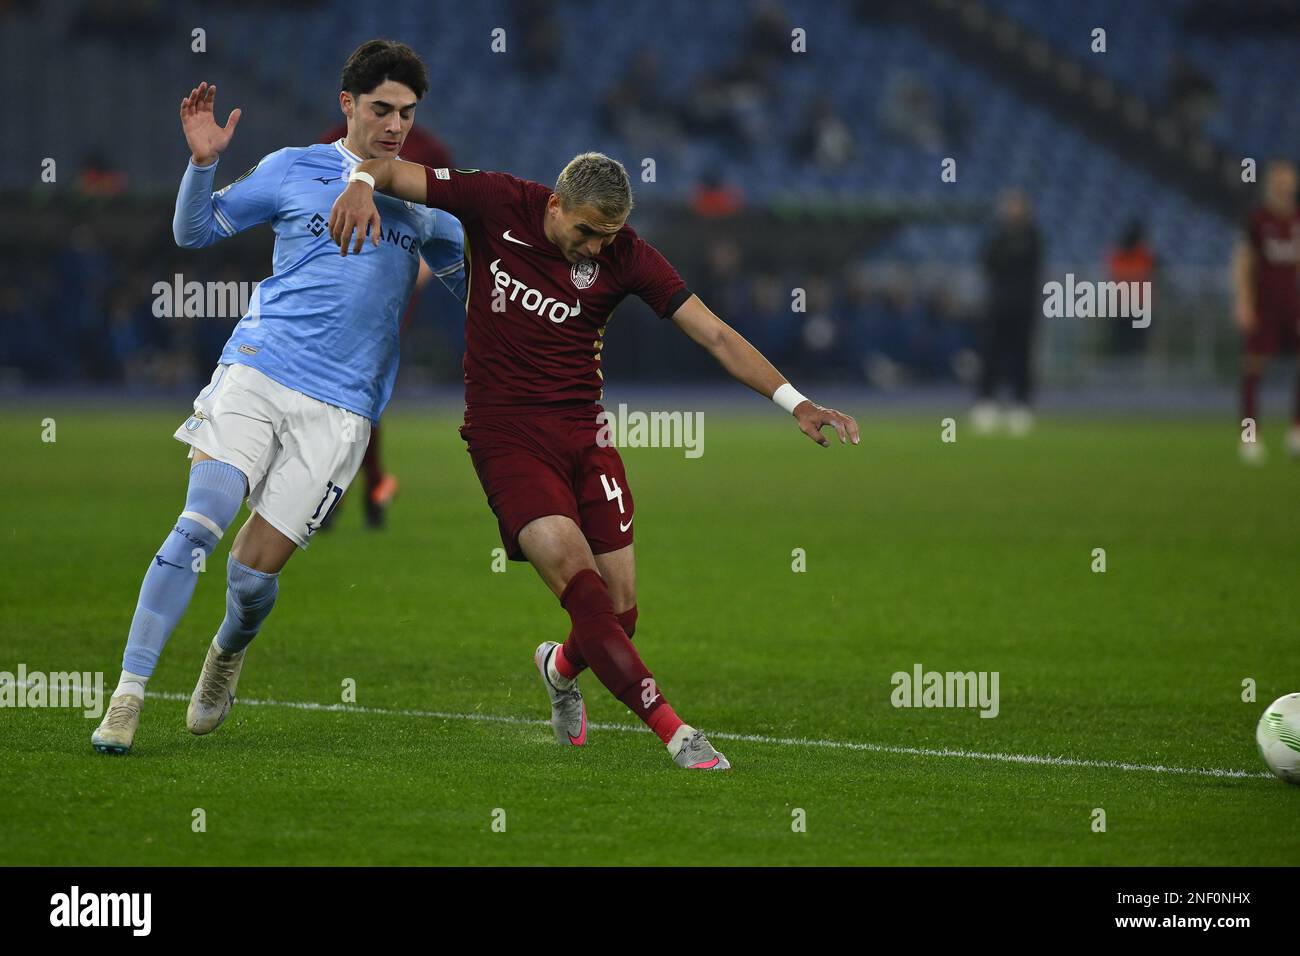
(1273, 333)
(533, 462)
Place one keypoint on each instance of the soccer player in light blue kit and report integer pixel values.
(286, 417)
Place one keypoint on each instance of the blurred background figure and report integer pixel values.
(1266, 272)
(1130, 261)
(1190, 92)
(825, 140)
(1012, 258)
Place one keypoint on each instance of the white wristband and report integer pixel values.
(359, 176)
(788, 397)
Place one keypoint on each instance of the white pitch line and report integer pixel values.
(1032, 759)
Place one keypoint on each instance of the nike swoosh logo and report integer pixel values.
(509, 238)
(624, 527)
(161, 562)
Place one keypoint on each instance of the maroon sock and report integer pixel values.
(569, 660)
(608, 650)
(374, 473)
(1249, 396)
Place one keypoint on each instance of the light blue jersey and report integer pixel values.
(323, 324)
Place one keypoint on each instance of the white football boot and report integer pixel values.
(214, 694)
(568, 712)
(116, 732)
(691, 750)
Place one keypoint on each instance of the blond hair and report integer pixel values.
(594, 179)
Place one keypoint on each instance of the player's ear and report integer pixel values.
(345, 103)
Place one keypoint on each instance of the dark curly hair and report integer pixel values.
(378, 60)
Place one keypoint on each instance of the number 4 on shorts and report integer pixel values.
(612, 491)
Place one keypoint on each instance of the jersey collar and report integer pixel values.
(345, 152)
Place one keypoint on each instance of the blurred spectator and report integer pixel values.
(98, 178)
(820, 334)
(638, 108)
(543, 39)
(825, 139)
(1012, 257)
(1190, 93)
(1130, 261)
(713, 199)
(911, 112)
(723, 282)
(772, 326)
(768, 36)
(27, 345)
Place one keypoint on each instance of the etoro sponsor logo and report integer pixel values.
(532, 300)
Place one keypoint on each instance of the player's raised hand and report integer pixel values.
(354, 211)
(812, 418)
(205, 138)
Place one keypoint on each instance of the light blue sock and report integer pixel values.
(249, 600)
(215, 494)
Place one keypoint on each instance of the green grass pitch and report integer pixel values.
(973, 555)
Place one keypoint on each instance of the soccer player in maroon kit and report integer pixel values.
(547, 267)
(1266, 274)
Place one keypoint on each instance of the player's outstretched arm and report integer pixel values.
(746, 364)
(193, 224)
(355, 211)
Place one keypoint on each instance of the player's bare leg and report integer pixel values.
(1252, 368)
(259, 553)
(562, 557)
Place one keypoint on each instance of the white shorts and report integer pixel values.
(298, 453)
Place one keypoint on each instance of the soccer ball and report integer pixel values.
(1278, 736)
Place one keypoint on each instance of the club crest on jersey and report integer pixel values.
(584, 273)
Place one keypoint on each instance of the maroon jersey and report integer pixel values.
(1275, 240)
(534, 320)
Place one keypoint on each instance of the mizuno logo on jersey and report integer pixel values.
(532, 300)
